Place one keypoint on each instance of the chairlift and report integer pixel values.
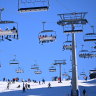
(93, 53)
(90, 36)
(38, 71)
(70, 70)
(92, 71)
(19, 70)
(8, 29)
(33, 5)
(14, 61)
(67, 45)
(83, 73)
(52, 69)
(85, 53)
(6, 33)
(34, 66)
(46, 36)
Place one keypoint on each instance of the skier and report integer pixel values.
(8, 85)
(84, 92)
(43, 81)
(49, 85)
(23, 87)
(26, 86)
(39, 82)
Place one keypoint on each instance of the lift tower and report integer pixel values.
(73, 23)
(60, 62)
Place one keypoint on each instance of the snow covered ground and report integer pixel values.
(57, 89)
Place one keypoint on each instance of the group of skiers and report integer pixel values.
(27, 86)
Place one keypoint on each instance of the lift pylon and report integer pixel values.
(73, 23)
(60, 62)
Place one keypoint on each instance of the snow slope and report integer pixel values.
(57, 89)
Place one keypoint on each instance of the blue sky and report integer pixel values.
(27, 48)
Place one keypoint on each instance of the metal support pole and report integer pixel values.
(1, 9)
(60, 74)
(0, 14)
(74, 67)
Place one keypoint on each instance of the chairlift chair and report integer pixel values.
(6, 33)
(35, 66)
(19, 70)
(52, 69)
(46, 36)
(83, 73)
(14, 61)
(93, 53)
(67, 45)
(70, 70)
(33, 5)
(85, 53)
(38, 71)
(90, 36)
(92, 71)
